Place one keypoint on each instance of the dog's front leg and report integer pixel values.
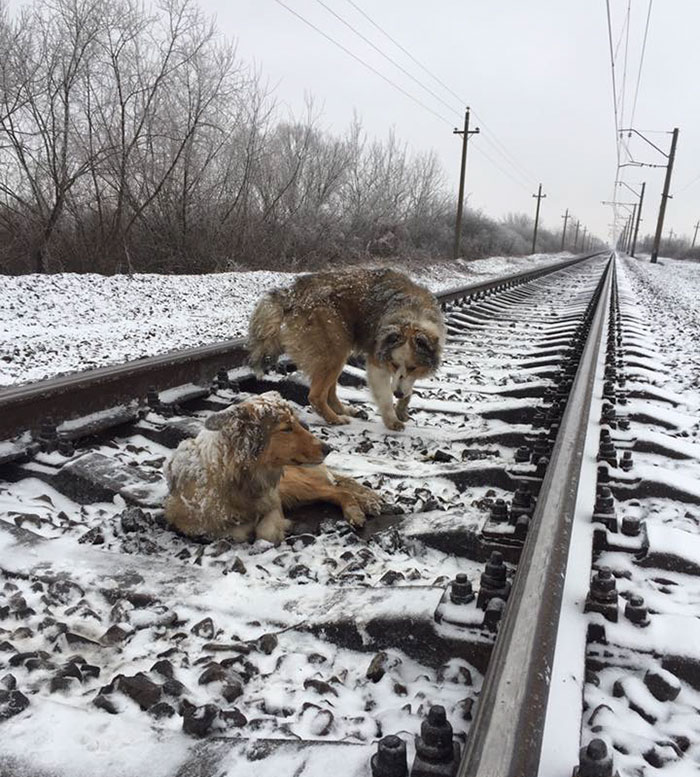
(379, 380)
(272, 526)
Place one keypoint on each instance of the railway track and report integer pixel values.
(542, 446)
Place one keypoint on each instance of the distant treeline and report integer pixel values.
(132, 138)
(677, 248)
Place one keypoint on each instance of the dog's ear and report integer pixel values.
(245, 429)
(216, 421)
(389, 338)
(427, 350)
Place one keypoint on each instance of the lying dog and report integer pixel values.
(324, 317)
(249, 463)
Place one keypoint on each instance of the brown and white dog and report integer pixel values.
(250, 462)
(324, 317)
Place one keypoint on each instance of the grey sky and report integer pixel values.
(536, 71)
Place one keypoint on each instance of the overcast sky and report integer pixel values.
(537, 72)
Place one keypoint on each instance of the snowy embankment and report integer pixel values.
(57, 324)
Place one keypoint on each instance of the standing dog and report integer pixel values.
(324, 317)
(249, 463)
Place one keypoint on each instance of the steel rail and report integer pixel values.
(506, 736)
(66, 397)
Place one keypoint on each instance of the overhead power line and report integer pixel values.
(363, 63)
(491, 138)
(385, 55)
(641, 63)
(626, 28)
(394, 85)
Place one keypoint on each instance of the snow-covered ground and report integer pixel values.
(57, 324)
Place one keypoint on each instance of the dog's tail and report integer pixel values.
(265, 330)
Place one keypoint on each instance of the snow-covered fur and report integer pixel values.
(324, 317)
(246, 465)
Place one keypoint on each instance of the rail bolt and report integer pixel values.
(542, 465)
(493, 614)
(499, 511)
(461, 591)
(522, 525)
(522, 503)
(390, 759)
(48, 436)
(553, 414)
(437, 752)
(608, 411)
(602, 596)
(631, 526)
(607, 452)
(595, 761)
(522, 454)
(152, 398)
(636, 611)
(604, 503)
(65, 447)
(494, 582)
(541, 447)
(221, 380)
(539, 418)
(626, 462)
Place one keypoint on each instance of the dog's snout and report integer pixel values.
(325, 449)
(398, 393)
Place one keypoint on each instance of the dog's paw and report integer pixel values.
(372, 504)
(394, 424)
(354, 516)
(339, 420)
(272, 531)
(402, 413)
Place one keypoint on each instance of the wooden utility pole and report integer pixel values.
(539, 196)
(583, 239)
(639, 218)
(664, 197)
(578, 224)
(695, 236)
(465, 133)
(563, 232)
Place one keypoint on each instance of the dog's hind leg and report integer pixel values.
(336, 405)
(322, 385)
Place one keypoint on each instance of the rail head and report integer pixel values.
(506, 736)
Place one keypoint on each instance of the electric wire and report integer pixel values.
(362, 62)
(624, 69)
(641, 63)
(385, 55)
(396, 86)
(489, 138)
(616, 116)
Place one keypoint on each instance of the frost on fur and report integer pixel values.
(264, 331)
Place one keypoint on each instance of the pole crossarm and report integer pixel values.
(630, 130)
(639, 164)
